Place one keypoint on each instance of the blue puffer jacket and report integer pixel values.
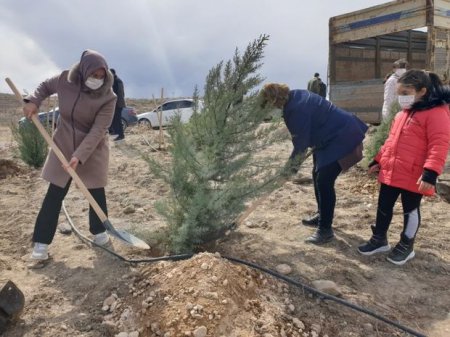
(315, 122)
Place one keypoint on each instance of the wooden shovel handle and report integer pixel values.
(61, 157)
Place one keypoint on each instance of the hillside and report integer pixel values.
(84, 291)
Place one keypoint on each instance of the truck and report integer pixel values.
(363, 45)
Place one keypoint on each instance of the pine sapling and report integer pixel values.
(216, 164)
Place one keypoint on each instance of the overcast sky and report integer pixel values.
(165, 43)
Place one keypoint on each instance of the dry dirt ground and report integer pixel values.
(85, 291)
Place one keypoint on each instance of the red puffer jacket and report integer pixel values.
(417, 141)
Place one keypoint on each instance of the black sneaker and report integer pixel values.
(374, 246)
(119, 138)
(312, 221)
(320, 237)
(402, 252)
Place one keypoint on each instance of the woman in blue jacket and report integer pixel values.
(334, 135)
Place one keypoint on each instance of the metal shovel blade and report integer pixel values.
(12, 302)
(124, 236)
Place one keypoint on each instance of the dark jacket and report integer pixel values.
(315, 122)
(120, 93)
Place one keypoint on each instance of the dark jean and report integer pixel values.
(47, 219)
(324, 180)
(117, 122)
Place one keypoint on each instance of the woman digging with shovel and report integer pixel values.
(86, 106)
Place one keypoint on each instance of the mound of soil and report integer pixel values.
(204, 296)
(84, 291)
(9, 168)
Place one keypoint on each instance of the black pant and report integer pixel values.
(47, 219)
(411, 210)
(324, 180)
(117, 122)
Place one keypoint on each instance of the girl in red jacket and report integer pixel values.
(410, 160)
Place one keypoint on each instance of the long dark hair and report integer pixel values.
(437, 94)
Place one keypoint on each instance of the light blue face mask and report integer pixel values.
(406, 101)
(94, 83)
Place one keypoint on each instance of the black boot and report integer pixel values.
(403, 251)
(313, 221)
(377, 244)
(321, 236)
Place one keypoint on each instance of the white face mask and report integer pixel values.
(399, 72)
(406, 101)
(94, 83)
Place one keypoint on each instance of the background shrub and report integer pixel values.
(379, 137)
(32, 146)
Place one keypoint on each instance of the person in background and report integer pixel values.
(86, 105)
(334, 135)
(322, 89)
(390, 86)
(410, 160)
(386, 77)
(118, 89)
(314, 84)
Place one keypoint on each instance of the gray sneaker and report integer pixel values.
(101, 239)
(402, 253)
(374, 246)
(40, 251)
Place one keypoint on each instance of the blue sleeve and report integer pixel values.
(300, 145)
(299, 130)
(297, 115)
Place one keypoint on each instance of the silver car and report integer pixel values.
(128, 114)
(183, 107)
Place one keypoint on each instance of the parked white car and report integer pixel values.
(184, 107)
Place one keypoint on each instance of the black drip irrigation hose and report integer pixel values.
(303, 286)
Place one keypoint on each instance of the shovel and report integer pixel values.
(12, 303)
(117, 233)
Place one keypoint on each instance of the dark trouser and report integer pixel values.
(117, 122)
(324, 180)
(411, 210)
(47, 219)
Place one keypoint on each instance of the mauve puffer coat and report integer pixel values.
(416, 141)
(85, 116)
